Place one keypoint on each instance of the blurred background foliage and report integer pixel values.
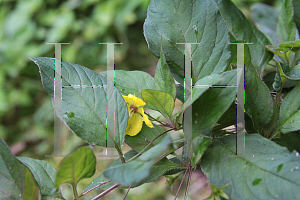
(26, 113)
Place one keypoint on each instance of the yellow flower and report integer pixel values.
(136, 115)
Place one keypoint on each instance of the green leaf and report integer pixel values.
(80, 165)
(266, 19)
(141, 140)
(296, 5)
(188, 22)
(16, 180)
(156, 171)
(286, 28)
(291, 72)
(269, 79)
(258, 100)
(293, 46)
(163, 101)
(242, 30)
(163, 79)
(280, 51)
(290, 140)
(241, 172)
(199, 145)
(229, 115)
(200, 87)
(87, 106)
(289, 119)
(133, 82)
(211, 105)
(271, 126)
(134, 172)
(44, 174)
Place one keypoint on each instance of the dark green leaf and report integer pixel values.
(289, 119)
(200, 87)
(163, 79)
(188, 22)
(135, 171)
(296, 5)
(286, 28)
(242, 30)
(258, 100)
(87, 106)
(16, 180)
(141, 140)
(211, 105)
(44, 174)
(163, 101)
(229, 115)
(242, 172)
(290, 140)
(266, 19)
(80, 165)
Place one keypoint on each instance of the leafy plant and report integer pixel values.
(269, 169)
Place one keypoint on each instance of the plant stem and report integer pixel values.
(188, 184)
(120, 153)
(149, 144)
(161, 122)
(75, 192)
(127, 193)
(221, 126)
(94, 188)
(105, 192)
(182, 181)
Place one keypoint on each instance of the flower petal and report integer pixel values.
(137, 101)
(147, 121)
(134, 125)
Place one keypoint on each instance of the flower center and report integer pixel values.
(133, 108)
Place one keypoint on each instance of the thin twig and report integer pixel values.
(181, 182)
(149, 144)
(161, 122)
(120, 153)
(105, 192)
(127, 192)
(94, 188)
(188, 184)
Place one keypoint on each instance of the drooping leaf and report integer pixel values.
(163, 101)
(188, 22)
(44, 174)
(163, 79)
(293, 46)
(141, 140)
(212, 104)
(286, 28)
(80, 165)
(84, 109)
(243, 174)
(242, 30)
(289, 119)
(290, 140)
(266, 19)
(135, 171)
(16, 180)
(258, 100)
(156, 171)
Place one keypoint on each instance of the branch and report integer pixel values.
(105, 192)
(94, 188)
